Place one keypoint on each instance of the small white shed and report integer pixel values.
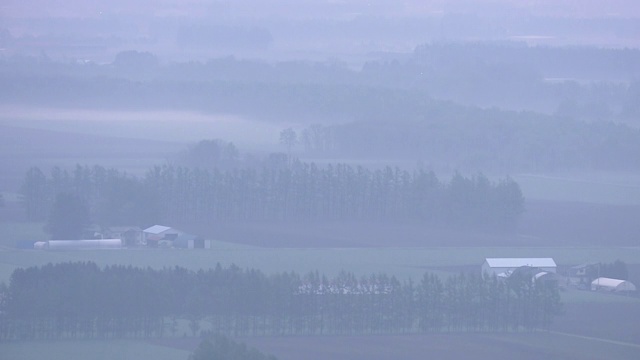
(613, 285)
(505, 266)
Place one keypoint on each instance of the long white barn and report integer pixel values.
(608, 284)
(499, 266)
(91, 244)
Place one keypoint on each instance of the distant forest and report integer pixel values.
(82, 300)
(575, 82)
(500, 107)
(482, 140)
(291, 192)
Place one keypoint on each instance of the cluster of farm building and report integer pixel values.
(157, 236)
(546, 270)
(160, 236)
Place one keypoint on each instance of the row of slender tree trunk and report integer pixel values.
(296, 192)
(81, 300)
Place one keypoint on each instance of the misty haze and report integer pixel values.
(319, 179)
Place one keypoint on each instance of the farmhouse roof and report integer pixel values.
(518, 262)
(607, 282)
(156, 229)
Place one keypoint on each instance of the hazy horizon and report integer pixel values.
(320, 179)
(350, 31)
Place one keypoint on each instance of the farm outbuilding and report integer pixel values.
(503, 267)
(159, 234)
(130, 235)
(101, 244)
(613, 285)
(188, 241)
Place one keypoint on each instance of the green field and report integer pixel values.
(541, 345)
(525, 346)
(600, 188)
(402, 262)
(89, 349)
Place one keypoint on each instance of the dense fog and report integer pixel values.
(291, 179)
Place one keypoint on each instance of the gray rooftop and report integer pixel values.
(156, 229)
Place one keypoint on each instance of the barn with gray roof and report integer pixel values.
(503, 267)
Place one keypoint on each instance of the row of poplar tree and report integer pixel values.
(82, 300)
(295, 192)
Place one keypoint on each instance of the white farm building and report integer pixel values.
(158, 234)
(503, 267)
(613, 285)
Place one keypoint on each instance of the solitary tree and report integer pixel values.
(68, 217)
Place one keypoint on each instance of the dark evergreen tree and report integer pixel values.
(36, 195)
(82, 300)
(286, 192)
(68, 218)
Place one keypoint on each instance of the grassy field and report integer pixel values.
(402, 262)
(90, 349)
(529, 346)
(601, 187)
(446, 346)
(595, 326)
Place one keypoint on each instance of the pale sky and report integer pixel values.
(291, 8)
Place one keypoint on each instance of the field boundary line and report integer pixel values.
(614, 342)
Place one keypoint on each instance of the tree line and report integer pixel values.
(393, 109)
(291, 192)
(82, 300)
(490, 140)
(504, 75)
